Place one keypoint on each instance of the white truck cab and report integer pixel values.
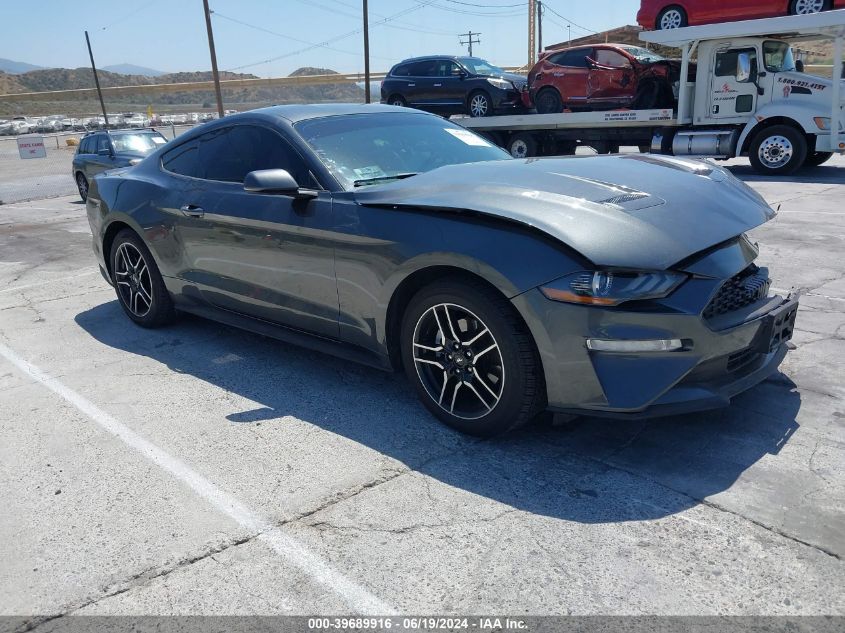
(750, 97)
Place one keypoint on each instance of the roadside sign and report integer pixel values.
(31, 147)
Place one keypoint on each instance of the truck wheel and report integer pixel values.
(548, 101)
(806, 7)
(522, 145)
(778, 150)
(479, 104)
(673, 17)
(815, 159)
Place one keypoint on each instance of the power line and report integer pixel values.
(330, 40)
(217, 14)
(130, 14)
(487, 6)
(567, 20)
(402, 26)
(484, 14)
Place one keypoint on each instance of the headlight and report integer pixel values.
(501, 84)
(610, 288)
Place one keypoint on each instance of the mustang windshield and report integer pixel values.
(370, 149)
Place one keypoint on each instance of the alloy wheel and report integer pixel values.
(519, 149)
(805, 7)
(132, 276)
(458, 361)
(478, 105)
(671, 19)
(775, 151)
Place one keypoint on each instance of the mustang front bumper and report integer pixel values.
(711, 368)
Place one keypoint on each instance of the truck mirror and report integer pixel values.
(799, 65)
(743, 68)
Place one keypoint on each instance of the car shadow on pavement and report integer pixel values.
(588, 470)
(823, 175)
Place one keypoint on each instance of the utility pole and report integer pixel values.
(214, 71)
(569, 33)
(366, 54)
(470, 41)
(532, 25)
(539, 27)
(97, 81)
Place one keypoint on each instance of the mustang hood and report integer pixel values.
(633, 211)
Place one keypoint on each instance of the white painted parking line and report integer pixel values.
(356, 596)
(49, 281)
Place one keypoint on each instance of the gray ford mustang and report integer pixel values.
(620, 286)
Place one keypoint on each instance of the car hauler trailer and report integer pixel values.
(747, 99)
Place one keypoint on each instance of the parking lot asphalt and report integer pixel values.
(198, 469)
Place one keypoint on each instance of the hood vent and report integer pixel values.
(623, 198)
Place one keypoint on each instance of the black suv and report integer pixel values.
(448, 85)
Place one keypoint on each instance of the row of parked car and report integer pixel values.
(62, 123)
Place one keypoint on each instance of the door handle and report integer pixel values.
(192, 211)
(437, 85)
(412, 85)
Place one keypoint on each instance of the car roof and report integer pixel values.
(300, 112)
(423, 58)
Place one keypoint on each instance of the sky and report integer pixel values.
(272, 38)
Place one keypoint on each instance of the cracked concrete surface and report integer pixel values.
(738, 511)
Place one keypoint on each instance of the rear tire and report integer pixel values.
(522, 145)
(815, 159)
(82, 186)
(138, 283)
(488, 387)
(673, 17)
(808, 7)
(778, 150)
(397, 100)
(548, 101)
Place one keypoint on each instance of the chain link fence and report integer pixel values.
(35, 178)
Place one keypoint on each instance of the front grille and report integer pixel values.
(743, 289)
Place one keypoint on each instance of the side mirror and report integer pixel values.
(799, 66)
(461, 74)
(277, 181)
(592, 63)
(743, 68)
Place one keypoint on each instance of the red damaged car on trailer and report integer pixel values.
(673, 14)
(601, 77)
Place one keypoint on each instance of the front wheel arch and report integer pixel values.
(407, 288)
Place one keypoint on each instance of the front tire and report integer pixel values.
(479, 104)
(778, 150)
(673, 17)
(138, 283)
(471, 359)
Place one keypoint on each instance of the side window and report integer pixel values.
(576, 58)
(84, 144)
(102, 143)
(424, 69)
(727, 61)
(608, 57)
(231, 153)
(446, 68)
(402, 71)
(182, 160)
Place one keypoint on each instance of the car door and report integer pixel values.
(571, 74)
(611, 77)
(425, 76)
(448, 86)
(261, 255)
(731, 98)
